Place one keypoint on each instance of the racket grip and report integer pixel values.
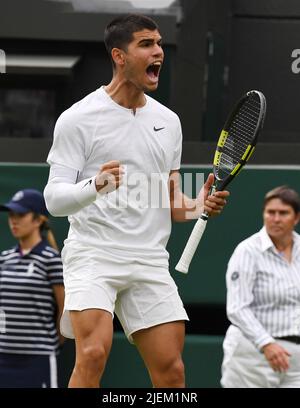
(191, 246)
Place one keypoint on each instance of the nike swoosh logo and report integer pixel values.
(89, 182)
(157, 129)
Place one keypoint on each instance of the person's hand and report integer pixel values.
(109, 177)
(277, 356)
(213, 204)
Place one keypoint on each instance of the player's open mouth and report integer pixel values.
(153, 71)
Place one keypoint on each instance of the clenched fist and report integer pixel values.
(109, 177)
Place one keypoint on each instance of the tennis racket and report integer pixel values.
(234, 148)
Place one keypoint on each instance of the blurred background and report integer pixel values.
(214, 52)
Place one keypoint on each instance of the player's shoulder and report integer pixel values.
(81, 109)
(162, 109)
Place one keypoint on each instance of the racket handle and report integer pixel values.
(191, 246)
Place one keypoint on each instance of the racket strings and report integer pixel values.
(240, 134)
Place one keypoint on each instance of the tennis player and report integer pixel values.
(115, 258)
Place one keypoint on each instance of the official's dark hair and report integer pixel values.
(119, 32)
(286, 195)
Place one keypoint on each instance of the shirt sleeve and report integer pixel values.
(63, 196)
(240, 280)
(178, 147)
(69, 147)
(55, 270)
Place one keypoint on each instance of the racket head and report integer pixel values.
(238, 137)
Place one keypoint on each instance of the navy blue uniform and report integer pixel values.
(28, 335)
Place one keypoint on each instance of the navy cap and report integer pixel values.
(28, 200)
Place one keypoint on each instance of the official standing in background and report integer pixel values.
(262, 346)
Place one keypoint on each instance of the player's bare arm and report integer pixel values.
(184, 208)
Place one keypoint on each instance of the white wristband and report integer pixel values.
(85, 191)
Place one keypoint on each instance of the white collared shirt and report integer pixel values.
(263, 289)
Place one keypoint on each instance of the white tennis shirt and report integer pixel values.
(133, 222)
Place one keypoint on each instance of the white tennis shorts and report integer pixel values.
(141, 295)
